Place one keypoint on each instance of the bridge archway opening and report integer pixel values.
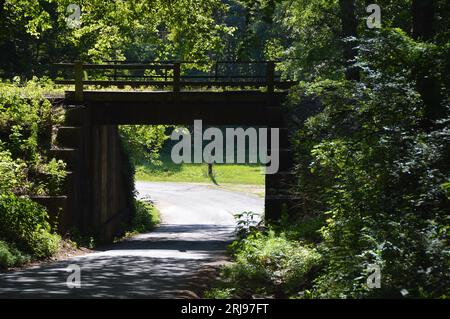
(195, 192)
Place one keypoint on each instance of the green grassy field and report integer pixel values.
(167, 171)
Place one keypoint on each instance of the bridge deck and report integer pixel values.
(165, 107)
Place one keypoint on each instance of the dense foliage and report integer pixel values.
(370, 128)
(26, 119)
(271, 264)
(37, 33)
(25, 223)
(145, 217)
(377, 175)
(143, 142)
(10, 256)
(374, 158)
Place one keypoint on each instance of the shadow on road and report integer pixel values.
(152, 265)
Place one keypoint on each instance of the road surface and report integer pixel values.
(197, 224)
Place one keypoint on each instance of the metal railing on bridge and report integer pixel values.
(173, 74)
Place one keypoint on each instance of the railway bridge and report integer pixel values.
(220, 93)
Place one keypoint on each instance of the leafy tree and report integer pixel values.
(143, 142)
(36, 34)
(367, 161)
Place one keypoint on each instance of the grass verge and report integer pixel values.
(167, 171)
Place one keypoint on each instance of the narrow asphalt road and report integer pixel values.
(197, 225)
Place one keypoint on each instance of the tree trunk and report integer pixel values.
(423, 16)
(423, 19)
(349, 29)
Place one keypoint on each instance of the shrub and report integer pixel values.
(10, 256)
(12, 173)
(271, 263)
(25, 223)
(80, 240)
(26, 118)
(246, 223)
(145, 217)
(50, 177)
(220, 293)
